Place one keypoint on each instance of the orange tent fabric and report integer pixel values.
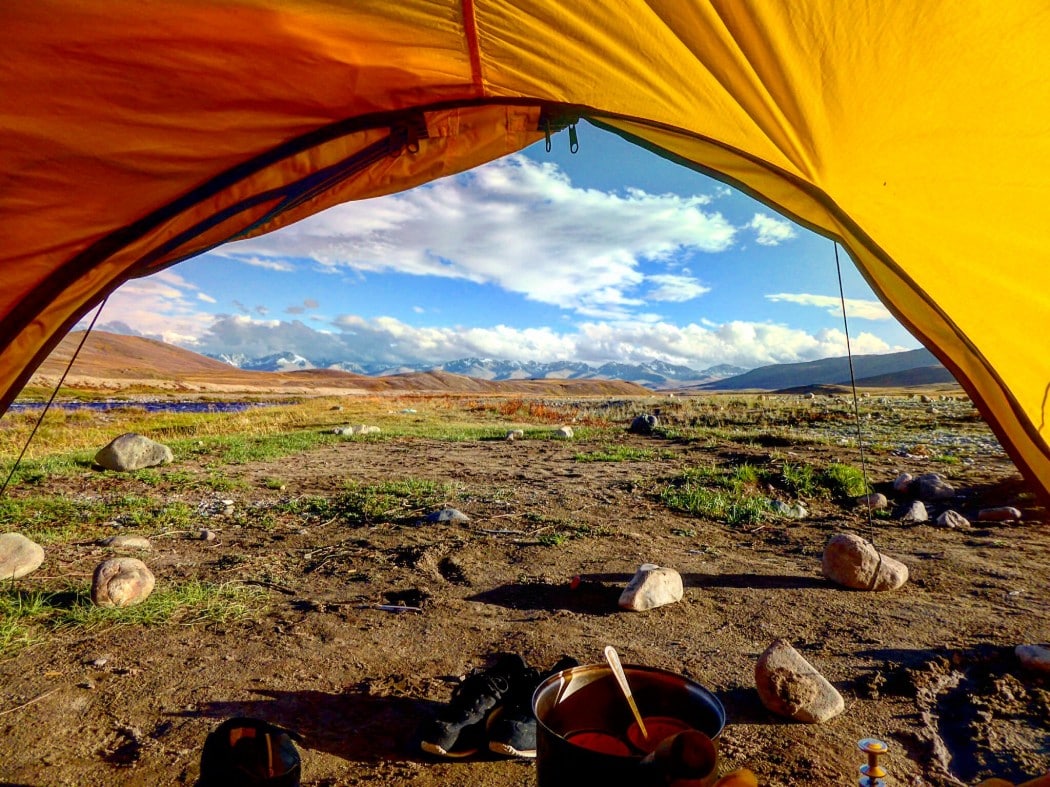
(135, 135)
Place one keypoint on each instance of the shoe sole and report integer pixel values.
(454, 754)
(507, 750)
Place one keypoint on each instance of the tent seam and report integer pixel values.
(470, 33)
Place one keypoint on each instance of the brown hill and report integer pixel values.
(110, 362)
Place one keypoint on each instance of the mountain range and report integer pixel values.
(911, 367)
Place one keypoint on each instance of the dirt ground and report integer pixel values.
(930, 668)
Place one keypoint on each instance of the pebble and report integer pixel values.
(19, 556)
(121, 582)
(790, 686)
(207, 535)
(447, 515)
(791, 511)
(1034, 657)
(952, 519)
(127, 542)
(998, 514)
(853, 562)
(516, 434)
(652, 586)
(902, 483)
(915, 512)
(932, 487)
(564, 432)
(876, 501)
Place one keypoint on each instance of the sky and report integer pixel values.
(607, 254)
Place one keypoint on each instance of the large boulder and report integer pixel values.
(851, 561)
(133, 452)
(19, 556)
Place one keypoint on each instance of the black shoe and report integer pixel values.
(512, 730)
(243, 752)
(459, 729)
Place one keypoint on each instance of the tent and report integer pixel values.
(135, 135)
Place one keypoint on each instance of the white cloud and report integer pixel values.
(386, 340)
(270, 264)
(161, 306)
(206, 298)
(855, 307)
(771, 231)
(674, 288)
(514, 223)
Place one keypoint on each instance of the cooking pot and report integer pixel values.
(583, 721)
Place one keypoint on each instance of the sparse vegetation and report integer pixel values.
(27, 615)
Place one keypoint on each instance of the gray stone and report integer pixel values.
(1034, 657)
(932, 487)
(915, 512)
(998, 514)
(851, 561)
(790, 686)
(447, 515)
(516, 434)
(902, 483)
(876, 501)
(121, 582)
(207, 534)
(358, 429)
(127, 542)
(791, 511)
(644, 424)
(652, 586)
(952, 519)
(564, 432)
(133, 452)
(19, 556)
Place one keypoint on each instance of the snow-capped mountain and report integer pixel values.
(653, 374)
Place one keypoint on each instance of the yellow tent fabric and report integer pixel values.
(134, 135)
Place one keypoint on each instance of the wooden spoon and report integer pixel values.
(613, 658)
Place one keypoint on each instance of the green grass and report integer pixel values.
(374, 504)
(27, 616)
(621, 453)
(732, 506)
(843, 481)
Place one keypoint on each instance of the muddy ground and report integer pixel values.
(929, 668)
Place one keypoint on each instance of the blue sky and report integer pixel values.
(609, 254)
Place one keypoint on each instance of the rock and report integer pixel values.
(915, 512)
(121, 582)
(952, 519)
(19, 556)
(127, 542)
(902, 482)
(791, 511)
(652, 587)
(932, 487)
(998, 514)
(359, 429)
(516, 434)
(875, 501)
(207, 535)
(790, 686)
(447, 515)
(133, 452)
(1034, 657)
(564, 432)
(644, 424)
(851, 561)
